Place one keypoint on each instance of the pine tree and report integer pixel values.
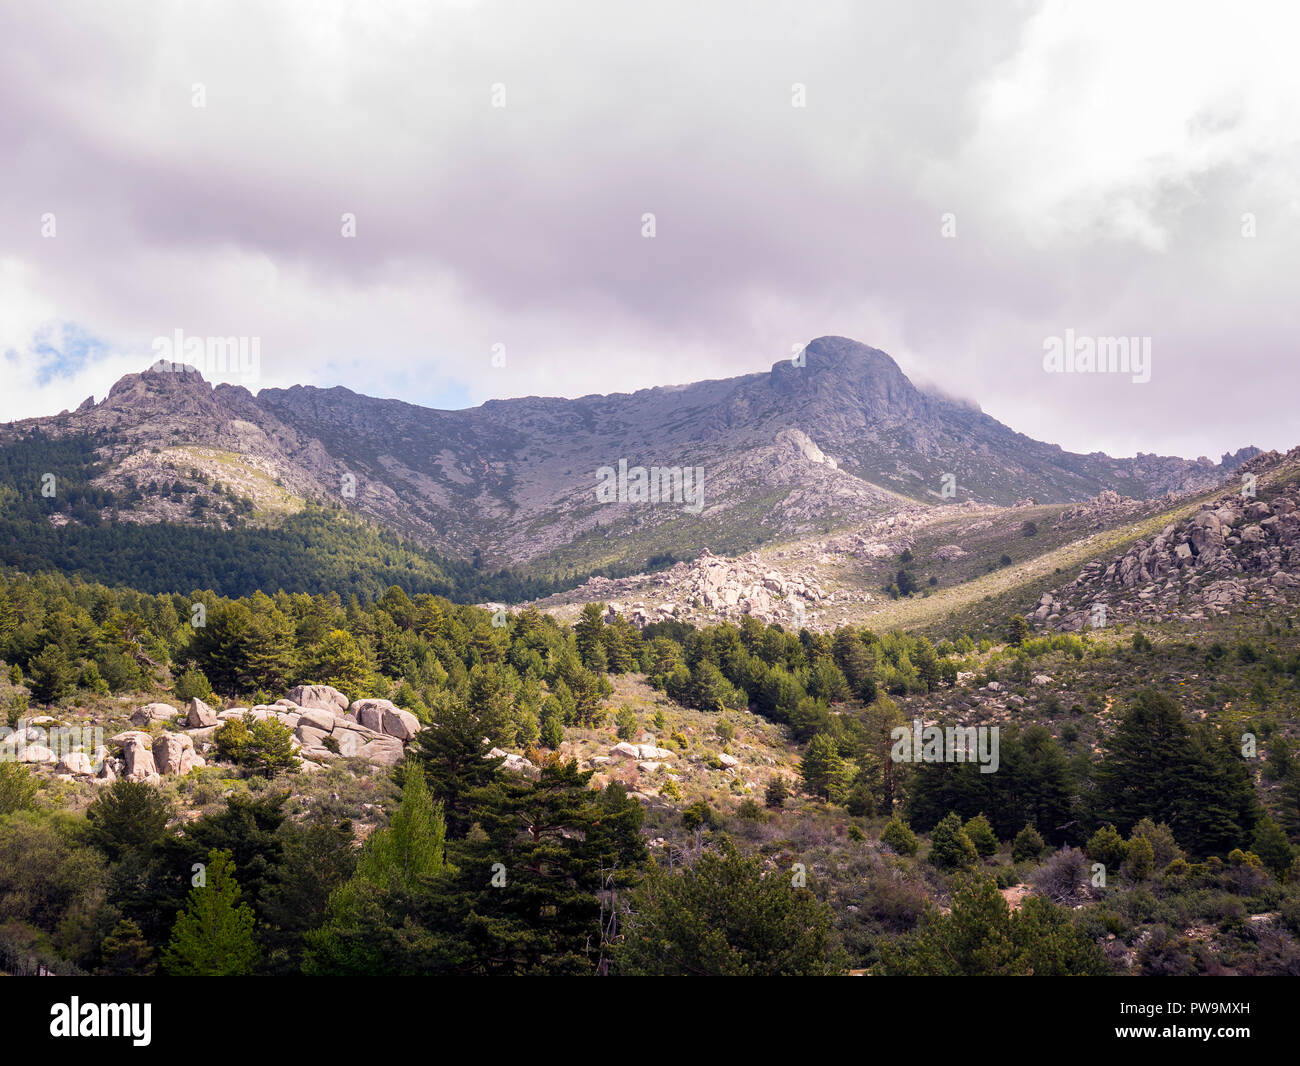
(982, 937)
(8, 622)
(1273, 848)
(1164, 847)
(621, 644)
(213, 936)
(50, 675)
(723, 916)
(885, 777)
(414, 844)
(1141, 860)
(927, 664)
(950, 847)
(127, 816)
(822, 768)
(270, 747)
(126, 953)
(589, 633)
(982, 836)
(851, 656)
(1107, 847)
(1017, 628)
(453, 755)
(319, 857)
(363, 930)
(1027, 845)
(18, 787)
(898, 836)
(340, 662)
(1157, 766)
(552, 733)
(710, 690)
(535, 877)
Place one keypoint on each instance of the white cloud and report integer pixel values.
(1098, 160)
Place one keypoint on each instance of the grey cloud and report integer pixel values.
(774, 223)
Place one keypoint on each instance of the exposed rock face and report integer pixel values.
(323, 728)
(76, 762)
(173, 753)
(713, 587)
(200, 715)
(376, 732)
(137, 755)
(154, 712)
(370, 713)
(319, 696)
(357, 742)
(515, 764)
(383, 716)
(1235, 551)
(36, 753)
(317, 718)
(809, 439)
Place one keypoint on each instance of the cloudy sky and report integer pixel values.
(961, 182)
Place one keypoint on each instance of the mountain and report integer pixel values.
(827, 441)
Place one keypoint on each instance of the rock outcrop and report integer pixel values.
(154, 712)
(1235, 551)
(173, 753)
(372, 729)
(319, 696)
(137, 756)
(200, 715)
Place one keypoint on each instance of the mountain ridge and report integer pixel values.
(827, 440)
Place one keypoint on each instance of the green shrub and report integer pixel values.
(193, 684)
(1141, 859)
(626, 723)
(265, 746)
(950, 847)
(898, 836)
(18, 787)
(982, 836)
(698, 815)
(1027, 845)
(1107, 847)
(232, 740)
(552, 732)
(1163, 844)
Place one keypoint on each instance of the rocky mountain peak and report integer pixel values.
(840, 374)
(161, 377)
(831, 439)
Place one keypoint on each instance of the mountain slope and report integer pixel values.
(800, 450)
